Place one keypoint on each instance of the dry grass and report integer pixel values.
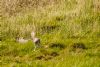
(63, 22)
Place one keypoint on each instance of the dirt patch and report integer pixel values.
(57, 45)
(40, 57)
(54, 54)
(78, 47)
(47, 56)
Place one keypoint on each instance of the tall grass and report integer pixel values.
(55, 21)
(80, 20)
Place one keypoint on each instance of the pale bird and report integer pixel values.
(35, 40)
(22, 40)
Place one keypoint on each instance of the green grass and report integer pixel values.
(15, 54)
(60, 23)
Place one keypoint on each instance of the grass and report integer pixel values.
(15, 54)
(59, 24)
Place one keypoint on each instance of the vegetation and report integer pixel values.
(69, 31)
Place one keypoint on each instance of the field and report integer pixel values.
(69, 31)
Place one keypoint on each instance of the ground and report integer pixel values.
(69, 31)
